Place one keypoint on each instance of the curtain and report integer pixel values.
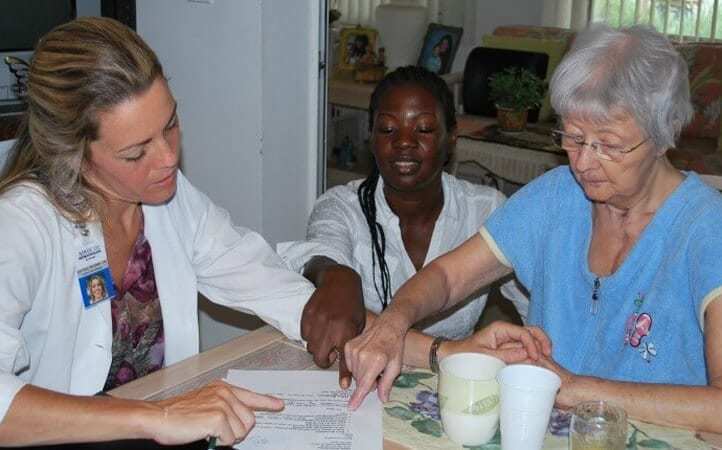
(572, 14)
(361, 12)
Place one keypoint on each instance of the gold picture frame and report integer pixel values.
(355, 43)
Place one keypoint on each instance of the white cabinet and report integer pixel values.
(510, 164)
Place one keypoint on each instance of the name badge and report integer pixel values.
(91, 265)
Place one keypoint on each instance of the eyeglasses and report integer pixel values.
(575, 143)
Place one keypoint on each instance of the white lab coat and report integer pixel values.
(47, 337)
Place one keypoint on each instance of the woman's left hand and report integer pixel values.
(508, 342)
(566, 398)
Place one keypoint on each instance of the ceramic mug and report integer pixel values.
(469, 397)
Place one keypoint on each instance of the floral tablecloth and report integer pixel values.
(411, 419)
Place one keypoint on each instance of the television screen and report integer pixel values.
(23, 22)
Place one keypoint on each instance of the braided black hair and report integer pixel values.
(403, 76)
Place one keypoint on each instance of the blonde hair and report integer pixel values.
(78, 70)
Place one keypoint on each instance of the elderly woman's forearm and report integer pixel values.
(470, 267)
(424, 294)
(448, 280)
(692, 407)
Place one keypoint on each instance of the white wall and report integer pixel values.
(482, 16)
(290, 134)
(241, 72)
(212, 55)
(451, 12)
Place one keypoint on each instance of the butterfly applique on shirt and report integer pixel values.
(648, 351)
(637, 328)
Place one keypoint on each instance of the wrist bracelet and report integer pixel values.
(433, 356)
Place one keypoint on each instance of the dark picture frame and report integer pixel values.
(439, 48)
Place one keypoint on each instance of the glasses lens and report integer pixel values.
(567, 142)
(607, 152)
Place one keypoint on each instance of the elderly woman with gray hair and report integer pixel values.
(622, 253)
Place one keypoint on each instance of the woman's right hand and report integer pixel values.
(379, 350)
(216, 410)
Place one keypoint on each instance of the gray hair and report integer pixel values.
(635, 69)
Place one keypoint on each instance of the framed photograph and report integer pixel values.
(439, 48)
(357, 46)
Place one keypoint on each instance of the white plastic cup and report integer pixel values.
(469, 397)
(527, 399)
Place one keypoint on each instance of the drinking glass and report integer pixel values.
(598, 425)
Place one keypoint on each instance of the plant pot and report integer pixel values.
(510, 119)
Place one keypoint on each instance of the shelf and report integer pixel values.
(336, 175)
(344, 91)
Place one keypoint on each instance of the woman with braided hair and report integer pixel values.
(365, 239)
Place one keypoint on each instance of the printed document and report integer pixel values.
(316, 416)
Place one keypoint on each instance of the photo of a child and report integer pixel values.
(440, 44)
(439, 55)
(358, 47)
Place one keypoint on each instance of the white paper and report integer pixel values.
(316, 416)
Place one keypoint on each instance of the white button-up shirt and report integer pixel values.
(338, 230)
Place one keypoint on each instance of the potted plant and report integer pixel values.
(514, 91)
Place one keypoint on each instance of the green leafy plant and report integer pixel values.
(516, 88)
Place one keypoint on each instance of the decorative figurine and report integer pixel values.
(346, 158)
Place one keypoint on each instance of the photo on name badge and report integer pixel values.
(96, 287)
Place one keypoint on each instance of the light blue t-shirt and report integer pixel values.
(649, 318)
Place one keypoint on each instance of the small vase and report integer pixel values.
(401, 42)
(510, 119)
